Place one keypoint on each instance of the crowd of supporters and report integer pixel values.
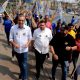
(60, 38)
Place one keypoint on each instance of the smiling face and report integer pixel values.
(21, 20)
(42, 25)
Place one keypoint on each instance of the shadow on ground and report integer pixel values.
(4, 43)
(5, 71)
(5, 57)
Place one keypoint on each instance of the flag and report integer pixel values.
(68, 1)
(1, 9)
(33, 8)
(60, 10)
(5, 4)
(59, 14)
(41, 7)
(18, 5)
(4, 9)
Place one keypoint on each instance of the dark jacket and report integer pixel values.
(59, 42)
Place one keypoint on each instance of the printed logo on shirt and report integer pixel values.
(39, 35)
(66, 43)
(24, 34)
(46, 35)
(16, 33)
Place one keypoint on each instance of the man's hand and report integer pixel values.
(25, 45)
(16, 46)
(53, 53)
(68, 48)
(55, 57)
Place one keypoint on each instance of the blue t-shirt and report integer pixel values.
(7, 25)
(72, 20)
(53, 26)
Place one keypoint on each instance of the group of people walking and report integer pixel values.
(63, 44)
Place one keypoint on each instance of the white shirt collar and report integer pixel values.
(21, 28)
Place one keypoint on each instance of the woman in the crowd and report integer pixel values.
(48, 23)
(58, 27)
(7, 26)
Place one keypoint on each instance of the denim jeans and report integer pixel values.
(22, 60)
(77, 72)
(63, 66)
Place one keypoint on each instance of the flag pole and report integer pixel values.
(4, 7)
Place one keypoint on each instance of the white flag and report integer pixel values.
(60, 10)
(3, 7)
(5, 4)
(19, 3)
(68, 1)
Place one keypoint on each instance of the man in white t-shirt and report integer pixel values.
(20, 38)
(41, 37)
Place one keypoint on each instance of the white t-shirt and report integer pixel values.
(42, 39)
(20, 36)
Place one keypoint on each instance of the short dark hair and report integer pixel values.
(20, 15)
(72, 16)
(42, 21)
(70, 24)
(66, 27)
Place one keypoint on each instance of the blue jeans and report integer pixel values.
(77, 72)
(63, 66)
(22, 60)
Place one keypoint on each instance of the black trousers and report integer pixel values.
(13, 52)
(7, 36)
(40, 58)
